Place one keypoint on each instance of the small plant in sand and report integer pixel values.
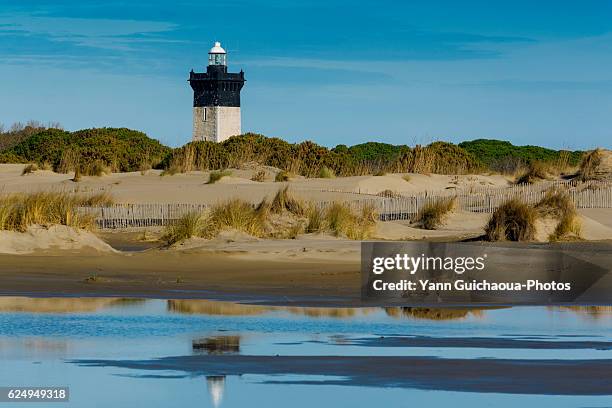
(188, 226)
(282, 176)
(558, 204)
(326, 172)
(97, 169)
(342, 221)
(285, 201)
(234, 214)
(19, 211)
(260, 176)
(514, 220)
(30, 168)
(316, 219)
(170, 171)
(95, 200)
(218, 175)
(407, 178)
(433, 214)
(536, 171)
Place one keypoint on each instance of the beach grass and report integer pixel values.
(432, 215)
(218, 175)
(19, 211)
(514, 220)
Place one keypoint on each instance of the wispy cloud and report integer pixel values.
(109, 34)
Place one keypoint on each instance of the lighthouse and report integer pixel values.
(216, 99)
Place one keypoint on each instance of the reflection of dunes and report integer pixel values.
(337, 312)
(595, 312)
(216, 387)
(59, 305)
(210, 307)
(217, 345)
(433, 313)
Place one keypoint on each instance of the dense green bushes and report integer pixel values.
(119, 149)
(503, 156)
(128, 150)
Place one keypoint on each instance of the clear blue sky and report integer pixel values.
(532, 72)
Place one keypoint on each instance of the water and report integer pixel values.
(158, 353)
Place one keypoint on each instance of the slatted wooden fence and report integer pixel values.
(482, 200)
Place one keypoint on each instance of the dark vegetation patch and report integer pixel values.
(121, 150)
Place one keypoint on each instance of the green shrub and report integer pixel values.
(119, 149)
(505, 157)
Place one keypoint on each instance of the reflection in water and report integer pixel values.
(215, 308)
(433, 313)
(219, 308)
(61, 305)
(216, 387)
(217, 345)
(593, 312)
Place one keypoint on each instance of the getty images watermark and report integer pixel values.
(438, 274)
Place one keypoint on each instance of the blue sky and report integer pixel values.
(532, 72)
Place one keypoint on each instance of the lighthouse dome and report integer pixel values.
(217, 49)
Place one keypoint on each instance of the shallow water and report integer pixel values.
(121, 352)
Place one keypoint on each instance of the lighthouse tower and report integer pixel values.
(216, 99)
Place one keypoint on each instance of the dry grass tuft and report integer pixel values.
(19, 211)
(536, 171)
(342, 221)
(380, 173)
(512, 221)
(235, 214)
(217, 175)
(432, 215)
(95, 200)
(326, 172)
(316, 219)
(188, 226)
(558, 204)
(284, 201)
(590, 165)
(97, 169)
(30, 168)
(282, 176)
(260, 176)
(170, 171)
(555, 203)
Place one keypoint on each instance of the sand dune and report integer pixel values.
(191, 187)
(56, 237)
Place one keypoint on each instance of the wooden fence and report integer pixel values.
(397, 207)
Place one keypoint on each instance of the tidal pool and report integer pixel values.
(159, 353)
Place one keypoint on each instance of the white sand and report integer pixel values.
(192, 188)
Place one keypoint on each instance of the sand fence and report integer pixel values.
(594, 194)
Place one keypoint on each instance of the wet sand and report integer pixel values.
(541, 377)
(182, 275)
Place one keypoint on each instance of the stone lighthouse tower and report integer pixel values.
(216, 99)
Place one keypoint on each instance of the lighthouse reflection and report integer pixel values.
(216, 388)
